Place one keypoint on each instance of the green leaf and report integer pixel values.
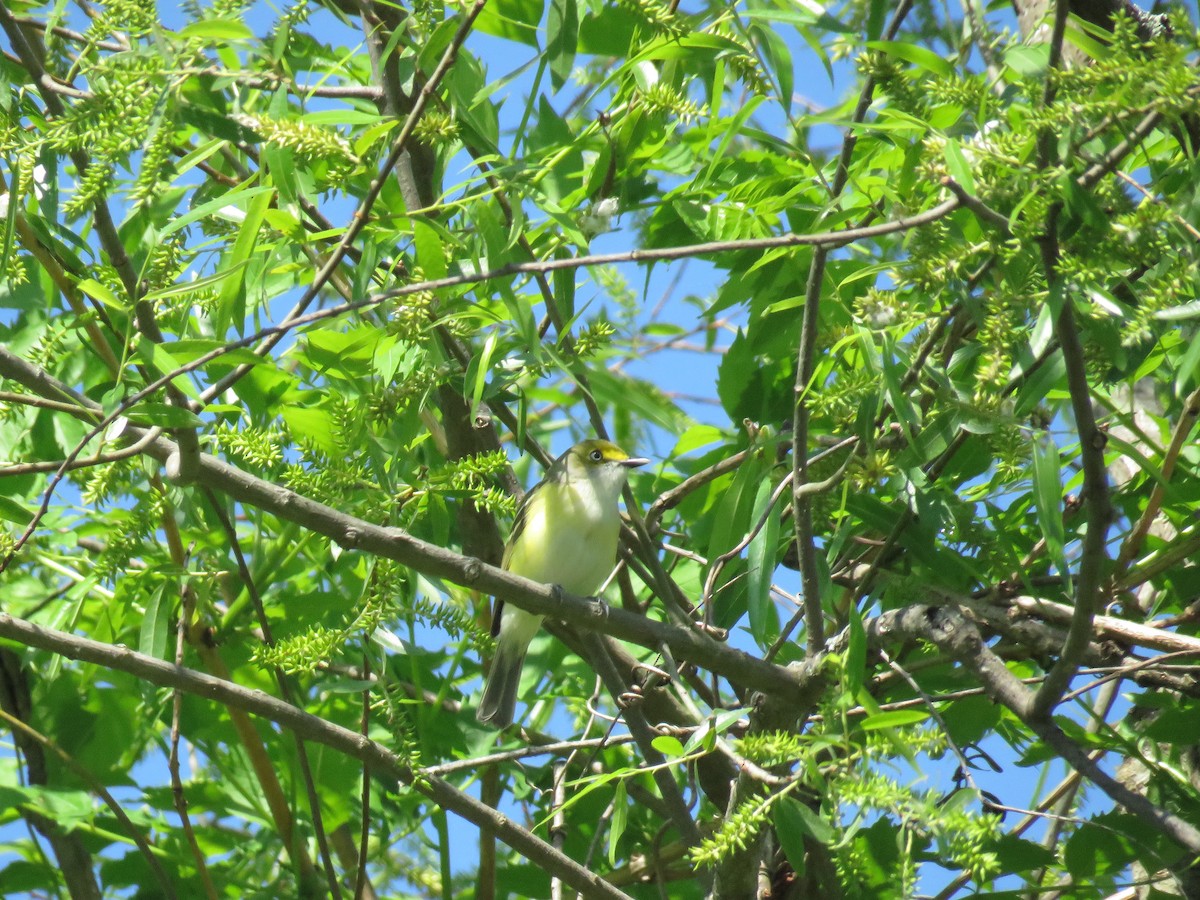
(855, 667)
(899, 747)
(1187, 365)
(431, 255)
(188, 287)
(1028, 61)
(12, 511)
(959, 168)
(1179, 724)
(216, 30)
(100, 293)
(562, 35)
(905, 410)
(160, 359)
(807, 821)
(685, 47)
(515, 20)
(223, 205)
(1047, 493)
(157, 621)
(1094, 851)
(479, 369)
(620, 818)
(641, 398)
(897, 718)
(1083, 210)
(564, 292)
(392, 354)
(751, 386)
(1080, 32)
(608, 31)
(764, 617)
(191, 349)
(730, 129)
(875, 18)
(790, 829)
(916, 54)
(231, 302)
(163, 415)
(668, 745)
(779, 58)
(1189, 310)
(695, 437)
(1018, 855)
(312, 423)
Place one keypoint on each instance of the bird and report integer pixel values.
(565, 533)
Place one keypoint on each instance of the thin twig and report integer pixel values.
(100, 459)
(554, 749)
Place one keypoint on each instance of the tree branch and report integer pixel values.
(1091, 440)
(398, 545)
(956, 635)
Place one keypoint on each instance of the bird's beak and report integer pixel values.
(633, 462)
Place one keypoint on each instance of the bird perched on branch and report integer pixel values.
(565, 534)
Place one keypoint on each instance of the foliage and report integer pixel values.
(294, 303)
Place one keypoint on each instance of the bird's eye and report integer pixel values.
(596, 456)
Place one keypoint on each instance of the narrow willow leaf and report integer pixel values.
(216, 30)
(13, 511)
(1187, 365)
(156, 622)
(160, 358)
(100, 293)
(916, 54)
(1047, 494)
(231, 200)
(896, 718)
(231, 304)
(431, 253)
(481, 366)
(957, 163)
(855, 665)
(790, 829)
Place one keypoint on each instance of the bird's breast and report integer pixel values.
(569, 540)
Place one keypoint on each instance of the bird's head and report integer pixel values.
(601, 462)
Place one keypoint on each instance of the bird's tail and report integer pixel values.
(499, 700)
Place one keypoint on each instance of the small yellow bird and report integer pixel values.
(566, 534)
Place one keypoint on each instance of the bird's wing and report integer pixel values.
(518, 528)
